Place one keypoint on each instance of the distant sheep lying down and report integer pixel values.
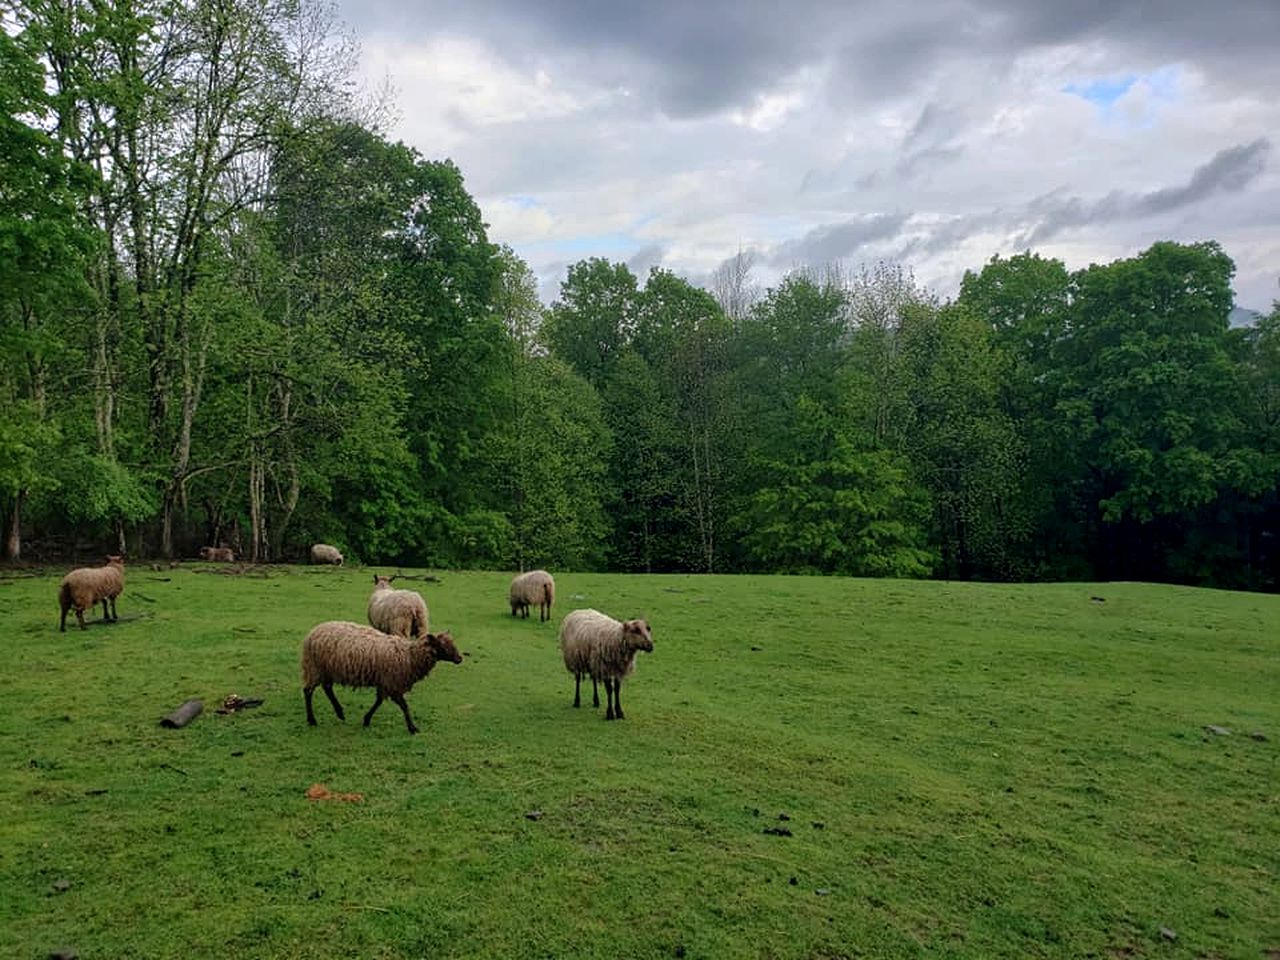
(323, 553)
(87, 586)
(218, 554)
(598, 645)
(536, 586)
(358, 656)
(402, 612)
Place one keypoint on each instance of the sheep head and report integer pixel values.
(115, 559)
(442, 645)
(382, 583)
(637, 635)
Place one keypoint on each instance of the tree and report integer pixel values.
(594, 318)
(836, 507)
(1148, 398)
(44, 243)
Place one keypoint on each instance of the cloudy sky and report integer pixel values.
(934, 133)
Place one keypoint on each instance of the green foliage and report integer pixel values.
(559, 455)
(252, 318)
(593, 319)
(96, 490)
(836, 508)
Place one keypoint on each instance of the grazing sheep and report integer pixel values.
(401, 612)
(606, 649)
(218, 554)
(85, 587)
(358, 656)
(323, 553)
(536, 586)
(575, 647)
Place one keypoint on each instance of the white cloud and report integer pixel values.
(597, 133)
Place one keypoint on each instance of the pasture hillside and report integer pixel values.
(810, 767)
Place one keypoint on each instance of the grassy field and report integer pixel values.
(954, 770)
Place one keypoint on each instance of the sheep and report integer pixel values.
(536, 586)
(593, 643)
(218, 554)
(85, 587)
(401, 612)
(323, 553)
(358, 656)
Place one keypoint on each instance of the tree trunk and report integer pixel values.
(13, 542)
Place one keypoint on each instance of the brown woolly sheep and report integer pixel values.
(85, 587)
(607, 648)
(218, 554)
(536, 586)
(358, 656)
(323, 553)
(402, 612)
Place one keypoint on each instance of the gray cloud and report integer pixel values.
(1230, 171)
(798, 131)
(831, 242)
(694, 59)
(644, 259)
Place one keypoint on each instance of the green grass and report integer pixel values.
(969, 771)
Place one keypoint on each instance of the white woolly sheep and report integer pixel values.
(536, 586)
(323, 553)
(218, 554)
(604, 648)
(358, 656)
(87, 586)
(402, 612)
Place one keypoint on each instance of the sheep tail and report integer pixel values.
(418, 628)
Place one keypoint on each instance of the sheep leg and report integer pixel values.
(376, 704)
(63, 627)
(106, 615)
(577, 688)
(617, 699)
(398, 698)
(114, 615)
(595, 693)
(608, 696)
(337, 707)
(80, 618)
(306, 694)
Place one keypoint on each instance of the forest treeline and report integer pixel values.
(232, 311)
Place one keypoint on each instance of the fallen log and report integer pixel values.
(183, 715)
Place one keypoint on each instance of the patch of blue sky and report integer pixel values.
(1161, 87)
(1103, 91)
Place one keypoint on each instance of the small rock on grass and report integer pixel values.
(65, 953)
(777, 831)
(1259, 736)
(1216, 730)
(1168, 934)
(61, 885)
(533, 815)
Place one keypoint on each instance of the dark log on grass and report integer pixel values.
(183, 715)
